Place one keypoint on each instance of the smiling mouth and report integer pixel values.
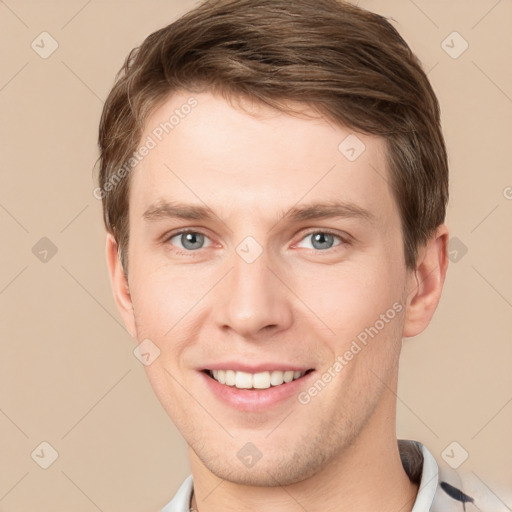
(260, 380)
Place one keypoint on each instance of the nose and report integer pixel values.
(252, 301)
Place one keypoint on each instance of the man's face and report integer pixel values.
(267, 285)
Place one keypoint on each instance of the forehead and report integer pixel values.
(251, 159)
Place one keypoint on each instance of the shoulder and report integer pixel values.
(470, 492)
(443, 489)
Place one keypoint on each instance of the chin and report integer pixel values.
(271, 470)
(268, 475)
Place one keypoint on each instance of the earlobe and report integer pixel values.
(426, 283)
(119, 284)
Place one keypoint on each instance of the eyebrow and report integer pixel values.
(320, 210)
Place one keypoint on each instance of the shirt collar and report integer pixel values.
(428, 483)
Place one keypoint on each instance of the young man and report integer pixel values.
(274, 182)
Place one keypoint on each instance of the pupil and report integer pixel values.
(192, 240)
(324, 240)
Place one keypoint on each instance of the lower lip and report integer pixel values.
(254, 400)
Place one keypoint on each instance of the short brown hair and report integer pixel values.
(350, 65)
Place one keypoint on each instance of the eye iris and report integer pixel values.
(192, 240)
(325, 240)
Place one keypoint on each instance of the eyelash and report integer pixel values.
(344, 241)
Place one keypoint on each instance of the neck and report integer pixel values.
(366, 476)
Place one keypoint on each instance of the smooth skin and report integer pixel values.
(300, 302)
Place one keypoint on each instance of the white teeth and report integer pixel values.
(276, 378)
(230, 377)
(288, 376)
(243, 380)
(261, 380)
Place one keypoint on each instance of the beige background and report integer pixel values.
(68, 375)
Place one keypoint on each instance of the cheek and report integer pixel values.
(351, 297)
(170, 305)
(161, 297)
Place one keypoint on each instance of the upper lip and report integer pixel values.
(256, 368)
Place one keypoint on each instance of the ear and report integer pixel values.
(425, 283)
(119, 284)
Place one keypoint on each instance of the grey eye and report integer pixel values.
(189, 240)
(320, 240)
